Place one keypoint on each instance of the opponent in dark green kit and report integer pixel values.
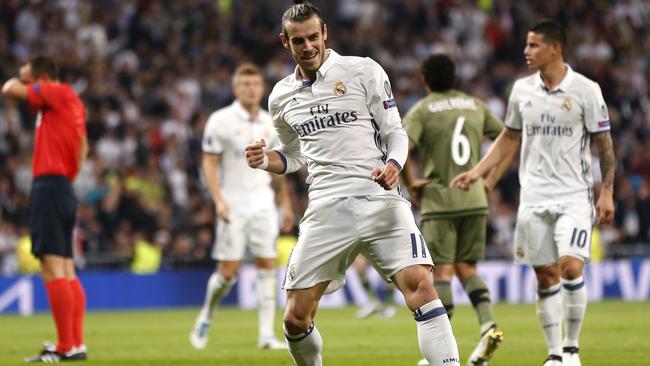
(446, 129)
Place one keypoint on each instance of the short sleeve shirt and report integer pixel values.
(227, 133)
(447, 129)
(60, 127)
(556, 125)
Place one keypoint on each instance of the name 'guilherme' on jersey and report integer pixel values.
(342, 125)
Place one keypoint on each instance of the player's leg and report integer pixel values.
(219, 285)
(327, 244)
(400, 253)
(267, 275)
(549, 310)
(573, 237)
(372, 305)
(263, 231)
(78, 309)
(470, 249)
(61, 299)
(435, 337)
(228, 250)
(535, 246)
(53, 208)
(303, 339)
(441, 237)
(574, 301)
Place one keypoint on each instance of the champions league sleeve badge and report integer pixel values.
(339, 88)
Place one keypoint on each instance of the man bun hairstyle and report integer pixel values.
(43, 65)
(439, 72)
(552, 32)
(301, 11)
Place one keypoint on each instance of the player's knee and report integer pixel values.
(571, 268)
(229, 272)
(465, 270)
(296, 323)
(546, 280)
(571, 272)
(419, 293)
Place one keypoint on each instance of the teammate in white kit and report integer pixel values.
(557, 111)
(337, 114)
(244, 199)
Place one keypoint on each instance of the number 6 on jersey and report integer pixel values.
(460, 150)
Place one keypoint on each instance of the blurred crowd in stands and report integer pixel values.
(151, 72)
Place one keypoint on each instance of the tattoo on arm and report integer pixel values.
(607, 158)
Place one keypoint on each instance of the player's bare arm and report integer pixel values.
(496, 173)
(279, 184)
(17, 87)
(209, 166)
(413, 184)
(504, 147)
(14, 88)
(605, 204)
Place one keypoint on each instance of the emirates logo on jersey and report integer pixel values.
(339, 88)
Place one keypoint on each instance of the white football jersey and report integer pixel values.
(342, 125)
(227, 133)
(556, 124)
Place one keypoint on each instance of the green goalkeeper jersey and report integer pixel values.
(446, 130)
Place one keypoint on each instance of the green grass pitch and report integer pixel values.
(615, 333)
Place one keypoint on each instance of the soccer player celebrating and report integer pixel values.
(557, 111)
(337, 114)
(245, 205)
(446, 128)
(59, 152)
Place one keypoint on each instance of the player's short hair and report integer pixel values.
(43, 65)
(439, 72)
(301, 11)
(245, 69)
(552, 32)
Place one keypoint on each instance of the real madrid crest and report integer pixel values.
(520, 252)
(292, 270)
(566, 105)
(339, 88)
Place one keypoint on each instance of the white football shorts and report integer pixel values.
(334, 230)
(257, 230)
(546, 233)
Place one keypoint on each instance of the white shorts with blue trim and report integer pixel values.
(334, 230)
(256, 230)
(546, 233)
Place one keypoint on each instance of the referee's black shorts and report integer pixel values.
(53, 207)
